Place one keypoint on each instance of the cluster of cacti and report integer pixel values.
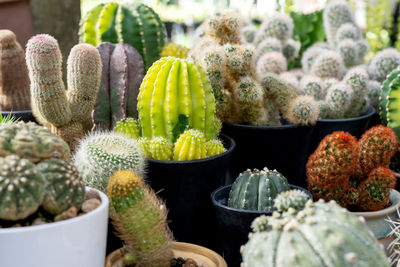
(100, 155)
(121, 76)
(67, 113)
(313, 235)
(355, 174)
(36, 172)
(247, 87)
(174, 50)
(257, 190)
(14, 82)
(136, 25)
(140, 219)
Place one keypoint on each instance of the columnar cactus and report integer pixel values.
(383, 63)
(336, 14)
(122, 74)
(140, 219)
(100, 155)
(174, 50)
(14, 82)
(338, 100)
(128, 127)
(256, 190)
(190, 145)
(176, 94)
(66, 112)
(306, 238)
(136, 25)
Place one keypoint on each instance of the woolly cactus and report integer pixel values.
(238, 59)
(174, 50)
(306, 238)
(190, 145)
(309, 57)
(271, 62)
(223, 28)
(14, 82)
(313, 86)
(176, 93)
(303, 110)
(66, 112)
(140, 219)
(279, 26)
(383, 63)
(348, 31)
(214, 147)
(328, 65)
(292, 80)
(256, 190)
(373, 93)
(128, 127)
(21, 186)
(290, 49)
(249, 33)
(295, 199)
(338, 99)
(348, 51)
(122, 74)
(100, 155)
(64, 186)
(269, 44)
(161, 148)
(356, 78)
(32, 142)
(136, 25)
(336, 13)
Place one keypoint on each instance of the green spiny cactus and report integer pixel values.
(223, 28)
(348, 31)
(257, 190)
(249, 33)
(14, 84)
(320, 234)
(338, 98)
(313, 86)
(161, 148)
(373, 93)
(100, 155)
(174, 50)
(190, 145)
(64, 186)
(270, 44)
(21, 186)
(128, 127)
(32, 142)
(140, 219)
(348, 51)
(144, 144)
(271, 62)
(303, 110)
(336, 13)
(66, 112)
(328, 65)
(238, 59)
(291, 49)
(279, 26)
(122, 74)
(383, 63)
(214, 147)
(136, 25)
(176, 93)
(295, 199)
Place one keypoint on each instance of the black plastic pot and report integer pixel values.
(283, 148)
(234, 224)
(355, 126)
(186, 187)
(21, 115)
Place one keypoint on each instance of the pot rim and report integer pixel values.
(370, 111)
(104, 205)
(181, 162)
(269, 212)
(277, 127)
(392, 208)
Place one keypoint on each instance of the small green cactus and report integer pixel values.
(144, 144)
(271, 62)
(279, 26)
(328, 65)
(291, 49)
(161, 148)
(238, 59)
(174, 50)
(303, 110)
(356, 78)
(338, 98)
(214, 147)
(270, 44)
(349, 52)
(309, 57)
(313, 86)
(292, 80)
(223, 27)
(295, 199)
(128, 127)
(190, 145)
(383, 63)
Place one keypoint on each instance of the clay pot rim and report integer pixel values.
(394, 194)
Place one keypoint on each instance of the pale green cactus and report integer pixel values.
(270, 44)
(249, 33)
(383, 63)
(348, 51)
(328, 65)
(348, 31)
(291, 49)
(295, 199)
(128, 127)
(279, 26)
(313, 86)
(338, 99)
(271, 62)
(303, 110)
(336, 13)
(214, 147)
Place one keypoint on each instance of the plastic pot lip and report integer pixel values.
(274, 128)
(104, 205)
(394, 195)
(225, 207)
(370, 111)
(183, 162)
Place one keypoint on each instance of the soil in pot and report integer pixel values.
(234, 224)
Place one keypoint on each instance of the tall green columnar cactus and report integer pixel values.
(66, 112)
(256, 190)
(137, 25)
(14, 79)
(176, 94)
(140, 219)
(121, 76)
(320, 234)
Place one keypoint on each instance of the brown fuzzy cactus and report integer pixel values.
(14, 79)
(66, 113)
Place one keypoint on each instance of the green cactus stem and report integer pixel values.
(214, 147)
(128, 127)
(190, 145)
(161, 148)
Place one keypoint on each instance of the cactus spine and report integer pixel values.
(66, 113)
(136, 25)
(140, 219)
(14, 79)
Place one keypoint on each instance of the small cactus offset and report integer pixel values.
(295, 199)
(136, 25)
(144, 144)
(14, 82)
(257, 190)
(303, 110)
(269, 44)
(248, 33)
(214, 147)
(174, 50)
(336, 14)
(161, 148)
(190, 145)
(128, 127)
(328, 65)
(140, 220)
(278, 26)
(383, 63)
(122, 74)
(271, 62)
(223, 28)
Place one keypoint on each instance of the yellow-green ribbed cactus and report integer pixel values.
(214, 147)
(144, 144)
(67, 113)
(161, 148)
(174, 50)
(140, 219)
(190, 145)
(128, 127)
(176, 94)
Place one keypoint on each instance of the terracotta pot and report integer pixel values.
(204, 257)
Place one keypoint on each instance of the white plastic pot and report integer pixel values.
(76, 242)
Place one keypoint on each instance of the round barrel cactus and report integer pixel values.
(21, 188)
(137, 25)
(320, 234)
(64, 185)
(257, 190)
(190, 145)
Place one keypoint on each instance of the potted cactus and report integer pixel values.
(45, 212)
(140, 219)
(253, 193)
(356, 175)
(14, 84)
(257, 107)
